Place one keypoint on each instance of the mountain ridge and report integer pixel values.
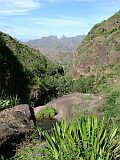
(23, 70)
(56, 49)
(100, 48)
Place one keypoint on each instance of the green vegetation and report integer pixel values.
(31, 151)
(23, 72)
(111, 110)
(26, 73)
(8, 102)
(47, 112)
(117, 48)
(103, 27)
(45, 81)
(102, 48)
(84, 139)
(85, 84)
(31, 148)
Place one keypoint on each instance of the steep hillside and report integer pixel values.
(23, 70)
(100, 49)
(57, 50)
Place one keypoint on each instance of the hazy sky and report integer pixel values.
(29, 19)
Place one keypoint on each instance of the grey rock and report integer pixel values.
(14, 123)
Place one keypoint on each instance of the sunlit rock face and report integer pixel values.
(99, 50)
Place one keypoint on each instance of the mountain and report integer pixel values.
(23, 70)
(57, 50)
(99, 50)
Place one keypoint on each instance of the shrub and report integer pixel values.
(83, 140)
(8, 102)
(47, 112)
(31, 148)
(84, 84)
(117, 48)
(111, 110)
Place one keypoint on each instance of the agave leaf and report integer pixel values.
(117, 149)
(52, 145)
(63, 145)
(63, 128)
(80, 129)
(88, 126)
(113, 133)
(103, 137)
(83, 126)
(70, 139)
(56, 132)
(96, 145)
(92, 156)
(95, 123)
(93, 131)
(108, 156)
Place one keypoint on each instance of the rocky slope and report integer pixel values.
(57, 50)
(100, 49)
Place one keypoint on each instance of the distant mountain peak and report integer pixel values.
(59, 50)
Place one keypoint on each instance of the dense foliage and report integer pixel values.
(8, 102)
(48, 112)
(83, 140)
(23, 71)
(28, 77)
(63, 148)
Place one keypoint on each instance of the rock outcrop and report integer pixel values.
(56, 49)
(14, 124)
(99, 50)
(69, 106)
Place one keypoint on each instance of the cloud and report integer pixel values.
(55, 1)
(85, 0)
(58, 21)
(51, 1)
(6, 28)
(44, 26)
(17, 7)
(37, 32)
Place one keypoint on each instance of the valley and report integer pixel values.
(83, 98)
(59, 50)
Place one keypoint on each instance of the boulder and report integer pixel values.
(69, 106)
(14, 124)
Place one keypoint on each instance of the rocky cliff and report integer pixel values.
(56, 49)
(100, 48)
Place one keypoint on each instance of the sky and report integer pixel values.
(33, 19)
